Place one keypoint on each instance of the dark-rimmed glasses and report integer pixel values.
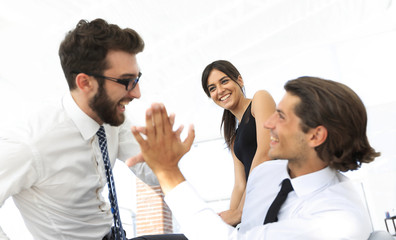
(129, 83)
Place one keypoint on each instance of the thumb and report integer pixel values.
(190, 137)
(134, 160)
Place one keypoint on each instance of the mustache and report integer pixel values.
(126, 99)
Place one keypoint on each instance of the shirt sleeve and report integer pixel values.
(144, 172)
(17, 170)
(197, 220)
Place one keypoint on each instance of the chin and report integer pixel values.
(274, 156)
(115, 122)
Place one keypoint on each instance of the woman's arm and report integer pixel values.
(263, 105)
(232, 216)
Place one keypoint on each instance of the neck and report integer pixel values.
(298, 168)
(241, 108)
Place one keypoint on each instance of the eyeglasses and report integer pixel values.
(129, 83)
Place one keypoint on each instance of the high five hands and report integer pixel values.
(162, 147)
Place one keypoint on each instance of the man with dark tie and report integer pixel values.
(57, 170)
(319, 130)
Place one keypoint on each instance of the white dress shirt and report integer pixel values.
(55, 172)
(324, 205)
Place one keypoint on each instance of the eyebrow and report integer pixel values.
(128, 75)
(280, 112)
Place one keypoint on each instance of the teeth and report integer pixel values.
(225, 97)
(274, 139)
(124, 103)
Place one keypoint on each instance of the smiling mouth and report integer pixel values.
(274, 139)
(225, 97)
(123, 103)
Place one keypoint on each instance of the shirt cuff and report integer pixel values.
(184, 202)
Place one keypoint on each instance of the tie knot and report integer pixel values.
(286, 186)
(101, 132)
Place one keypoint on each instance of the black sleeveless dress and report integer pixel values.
(245, 144)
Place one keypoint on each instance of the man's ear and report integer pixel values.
(318, 136)
(84, 82)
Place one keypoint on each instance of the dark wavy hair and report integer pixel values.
(228, 122)
(85, 48)
(340, 110)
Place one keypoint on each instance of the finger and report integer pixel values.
(190, 138)
(138, 138)
(157, 120)
(167, 122)
(142, 130)
(150, 130)
(172, 119)
(179, 131)
(138, 158)
(130, 162)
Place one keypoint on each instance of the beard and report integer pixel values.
(105, 108)
(294, 150)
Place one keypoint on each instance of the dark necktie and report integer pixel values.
(272, 214)
(119, 232)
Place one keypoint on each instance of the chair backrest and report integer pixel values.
(380, 235)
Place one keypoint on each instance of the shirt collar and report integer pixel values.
(85, 124)
(312, 182)
(283, 174)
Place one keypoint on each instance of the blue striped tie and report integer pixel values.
(119, 232)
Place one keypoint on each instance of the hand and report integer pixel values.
(231, 216)
(162, 149)
(172, 116)
(139, 157)
(132, 161)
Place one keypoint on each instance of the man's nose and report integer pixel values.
(270, 123)
(135, 92)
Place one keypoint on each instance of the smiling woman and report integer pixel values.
(248, 141)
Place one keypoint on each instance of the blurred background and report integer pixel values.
(269, 41)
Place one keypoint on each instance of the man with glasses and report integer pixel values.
(57, 171)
